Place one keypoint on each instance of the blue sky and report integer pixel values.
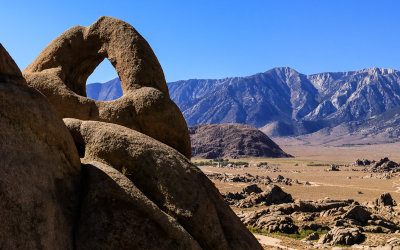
(216, 39)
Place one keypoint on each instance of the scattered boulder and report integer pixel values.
(276, 223)
(367, 162)
(384, 165)
(333, 168)
(342, 236)
(359, 163)
(271, 222)
(249, 178)
(313, 226)
(363, 162)
(385, 224)
(333, 212)
(385, 200)
(245, 199)
(313, 236)
(357, 213)
(253, 188)
(40, 168)
(61, 69)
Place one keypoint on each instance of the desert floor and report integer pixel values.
(310, 164)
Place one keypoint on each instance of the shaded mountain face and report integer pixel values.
(284, 102)
(211, 141)
(108, 91)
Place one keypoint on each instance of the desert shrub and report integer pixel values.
(313, 164)
(298, 235)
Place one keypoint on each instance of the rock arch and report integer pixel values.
(61, 70)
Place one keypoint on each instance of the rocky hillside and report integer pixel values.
(211, 141)
(284, 102)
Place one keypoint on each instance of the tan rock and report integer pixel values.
(61, 70)
(115, 214)
(168, 179)
(39, 167)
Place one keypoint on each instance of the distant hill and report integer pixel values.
(211, 141)
(283, 102)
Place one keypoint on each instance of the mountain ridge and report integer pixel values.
(284, 97)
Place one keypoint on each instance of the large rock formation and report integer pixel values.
(232, 140)
(130, 190)
(39, 167)
(167, 178)
(342, 236)
(61, 70)
(116, 214)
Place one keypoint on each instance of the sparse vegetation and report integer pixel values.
(313, 164)
(220, 162)
(124, 170)
(298, 236)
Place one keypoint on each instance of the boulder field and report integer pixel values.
(76, 173)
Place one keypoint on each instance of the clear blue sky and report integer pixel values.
(220, 38)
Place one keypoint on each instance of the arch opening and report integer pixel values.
(104, 83)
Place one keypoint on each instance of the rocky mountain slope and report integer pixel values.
(108, 91)
(284, 102)
(211, 141)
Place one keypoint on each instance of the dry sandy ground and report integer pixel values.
(349, 183)
(307, 151)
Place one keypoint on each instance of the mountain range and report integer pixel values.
(107, 91)
(284, 102)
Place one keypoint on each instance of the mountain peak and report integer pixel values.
(284, 69)
(300, 103)
(376, 70)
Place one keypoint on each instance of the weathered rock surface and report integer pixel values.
(39, 167)
(271, 222)
(385, 200)
(342, 236)
(168, 179)
(61, 70)
(249, 178)
(357, 213)
(346, 218)
(252, 195)
(211, 141)
(136, 192)
(253, 188)
(313, 236)
(116, 214)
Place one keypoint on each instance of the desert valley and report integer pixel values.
(193, 133)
